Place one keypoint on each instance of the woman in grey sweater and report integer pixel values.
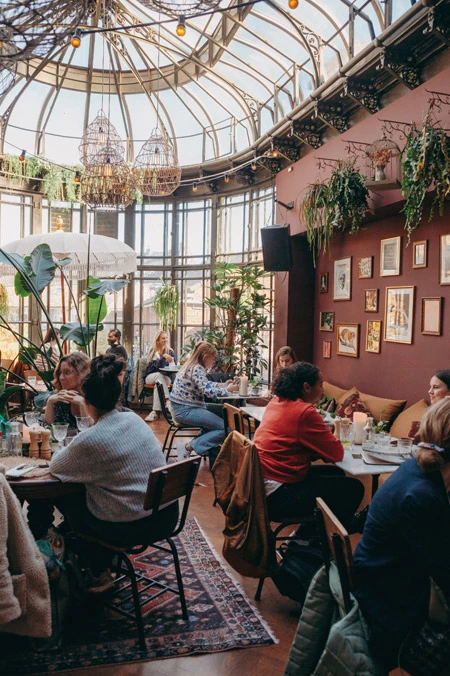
(113, 459)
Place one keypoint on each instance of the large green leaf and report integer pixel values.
(100, 288)
(97, 309)
(9, 257)
(7, 393)
(43, 266)
(79, 333)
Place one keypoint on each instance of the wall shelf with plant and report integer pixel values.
(339, 204)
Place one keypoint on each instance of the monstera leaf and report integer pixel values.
(79, 333)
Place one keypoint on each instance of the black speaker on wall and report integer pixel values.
(276, 246)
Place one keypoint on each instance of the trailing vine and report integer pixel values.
(340, 204)
(166, 303)
(56, 183)
(425, 164)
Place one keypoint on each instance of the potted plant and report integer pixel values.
(166, 303)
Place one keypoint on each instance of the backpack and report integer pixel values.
(299, 564)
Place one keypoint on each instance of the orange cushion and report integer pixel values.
(381, 408)
(351, 405)
(335, 392)
(403, 425)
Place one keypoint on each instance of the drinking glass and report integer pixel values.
(31, 418)
(404, 446)
(346, 433)
(83, 422)
(60, 433)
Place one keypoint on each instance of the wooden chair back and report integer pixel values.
(232, 418)
(336, 546)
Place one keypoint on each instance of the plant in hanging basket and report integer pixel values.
(425, 164)
(314, 209)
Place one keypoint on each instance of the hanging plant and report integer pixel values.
(56, 183)
(425, 164)
(340, 204)
(166, 303)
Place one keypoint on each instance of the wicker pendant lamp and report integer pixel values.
(8, 66)
(96, 136)
(156, 169)
(107, 184)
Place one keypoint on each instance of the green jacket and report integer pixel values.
(329, 642)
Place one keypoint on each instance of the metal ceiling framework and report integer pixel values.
(258, 75)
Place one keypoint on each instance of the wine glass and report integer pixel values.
(60, 433)
(83, 422)
(31, 418)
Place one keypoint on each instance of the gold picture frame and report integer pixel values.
(399, 314)
(371, 300)
(342, 279)
(323, 282)
(326, 321)
(420, 252)
(365, 267)
(326, 349)
(444, 260)
(390, 256)
(347, 340)
(431, 316)
(373, 336)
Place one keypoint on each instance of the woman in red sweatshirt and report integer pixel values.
(291, 435)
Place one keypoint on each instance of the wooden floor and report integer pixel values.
(278, 611)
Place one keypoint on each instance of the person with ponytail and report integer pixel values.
(405, 543)
(113, 459)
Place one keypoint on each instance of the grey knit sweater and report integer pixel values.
(113, 459)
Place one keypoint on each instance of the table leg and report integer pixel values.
(40, 517)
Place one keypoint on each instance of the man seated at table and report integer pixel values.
(291, 435)
(113, 459)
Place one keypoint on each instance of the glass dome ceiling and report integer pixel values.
(237, 72)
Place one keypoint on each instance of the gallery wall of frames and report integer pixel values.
(382, 308)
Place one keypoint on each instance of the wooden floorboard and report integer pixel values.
(280, 613)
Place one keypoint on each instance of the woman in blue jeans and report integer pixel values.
(188, 399)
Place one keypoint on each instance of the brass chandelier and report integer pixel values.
(156, 169)
(107, 184)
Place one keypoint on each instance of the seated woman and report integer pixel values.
(284, 357)
(406, 540)
(439, 386)
(160, 356)
(51, 349)
(68, 402)
(292, 434)
(188, 399)
(113, 459)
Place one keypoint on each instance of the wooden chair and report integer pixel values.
(165, 485)
(232, 419)
(175, 429)
(336, 546)
(147, 391)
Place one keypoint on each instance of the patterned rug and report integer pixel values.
(220, 618)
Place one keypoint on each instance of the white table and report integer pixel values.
(354, 464)
(255, 412)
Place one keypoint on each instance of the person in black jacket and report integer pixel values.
(115, 347)
(405, 542)
(160, 356)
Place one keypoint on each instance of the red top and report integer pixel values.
(290, 432)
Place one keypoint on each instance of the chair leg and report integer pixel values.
(165, 442)
(137, 605)
(176, 562)
(259, 589)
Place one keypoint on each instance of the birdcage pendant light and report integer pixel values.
(156, 169)
(99, 133)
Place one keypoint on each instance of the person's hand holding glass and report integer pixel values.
(60, 433)
(83, 422)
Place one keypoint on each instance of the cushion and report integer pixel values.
(404, 423)
(382, 409)
(336, 392)
(326, 404)
(351, 405)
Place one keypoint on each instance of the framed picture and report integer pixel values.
(444, 260)
(420, 254)
(342, 282)
(390, 256)
(373, 336)
(323, 282)
(347, 340)
(326, 321)
(398, 314)
(431, 316)
(371, 300)
(326, 349)
(365, 267)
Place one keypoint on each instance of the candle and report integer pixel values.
(243, 386)
(359, 422)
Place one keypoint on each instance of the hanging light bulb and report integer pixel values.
(106, 168)
(227, 178)
(181, 27)
(292, 4)
(59, 222)
(76, 39)
(253, 165)
(77, 178)
(22, 156)
(194, 187)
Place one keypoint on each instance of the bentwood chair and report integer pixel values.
(165, 485)
(175, 429)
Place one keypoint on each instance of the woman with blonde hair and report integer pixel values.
(160, 356)
(68, 402)
(405, 542)
(188, 399)
(284, 357)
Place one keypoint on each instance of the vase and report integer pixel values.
(379, 172)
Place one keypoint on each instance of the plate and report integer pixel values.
(388, 458)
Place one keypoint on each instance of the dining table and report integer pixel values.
(40, 490)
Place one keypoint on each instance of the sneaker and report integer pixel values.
(153, 415)
(188, 449)
(101, 584)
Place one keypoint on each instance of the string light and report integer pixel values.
(227, 178)
(76, 39)
(292, 4)
(253, 165)
(22, 156)
(181, 27)
(194, 187)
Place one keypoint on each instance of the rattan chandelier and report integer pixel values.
(35, 27)
(107, 184)
(182, 8)
(156, 168)
(96, 136)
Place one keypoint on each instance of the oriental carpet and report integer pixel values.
(220, 618)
